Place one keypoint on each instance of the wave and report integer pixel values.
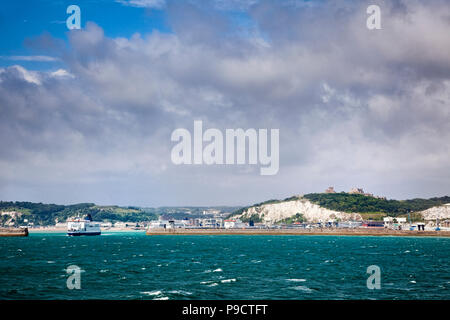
(296, 280)
(302, 288)
(152, 293)
(181, 292)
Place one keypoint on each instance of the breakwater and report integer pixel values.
(13, 232)
(323, 231)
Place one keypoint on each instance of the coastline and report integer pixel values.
(250, 232)
(64, 230)
(328, 232)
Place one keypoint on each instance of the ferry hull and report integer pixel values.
(74, 234)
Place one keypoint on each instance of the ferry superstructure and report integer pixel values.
(83, 227)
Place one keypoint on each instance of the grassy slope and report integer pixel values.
(369, 205)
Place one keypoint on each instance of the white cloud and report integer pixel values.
(27, 75)
(354, 108)
(156, 4)
(30, 58)
(61, 73)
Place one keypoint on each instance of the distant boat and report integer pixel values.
(85, 227)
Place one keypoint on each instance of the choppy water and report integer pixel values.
(136, 266)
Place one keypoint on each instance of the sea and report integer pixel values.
(131, 265)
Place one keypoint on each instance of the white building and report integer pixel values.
(211, 223)
(211, 211)
(125, 224)
(168, 224)
(236, 224)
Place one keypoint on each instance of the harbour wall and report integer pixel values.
(13, 232)
(324, 231)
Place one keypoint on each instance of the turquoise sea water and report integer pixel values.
(135, 266)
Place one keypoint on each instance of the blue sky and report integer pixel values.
(21, 20)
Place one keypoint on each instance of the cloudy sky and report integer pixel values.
(87, 115)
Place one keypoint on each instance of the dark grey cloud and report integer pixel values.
(354, 107)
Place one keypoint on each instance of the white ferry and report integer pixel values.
(85, 227)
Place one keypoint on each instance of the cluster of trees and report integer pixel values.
(298, 217)
(347, 202)
(254, 217)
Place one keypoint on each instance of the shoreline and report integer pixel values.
(64, 230)
(301, 232)
(250, 232)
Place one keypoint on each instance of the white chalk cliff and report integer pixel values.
(274, 212)
(441, 212)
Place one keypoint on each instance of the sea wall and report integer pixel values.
(13, 232)
(301, 231)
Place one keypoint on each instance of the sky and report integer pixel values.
(87, 115)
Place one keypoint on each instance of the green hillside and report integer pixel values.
(347, 202)
(48, 214)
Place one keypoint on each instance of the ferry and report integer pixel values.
(85, 227)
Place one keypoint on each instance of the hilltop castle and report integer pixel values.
(355, 191)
